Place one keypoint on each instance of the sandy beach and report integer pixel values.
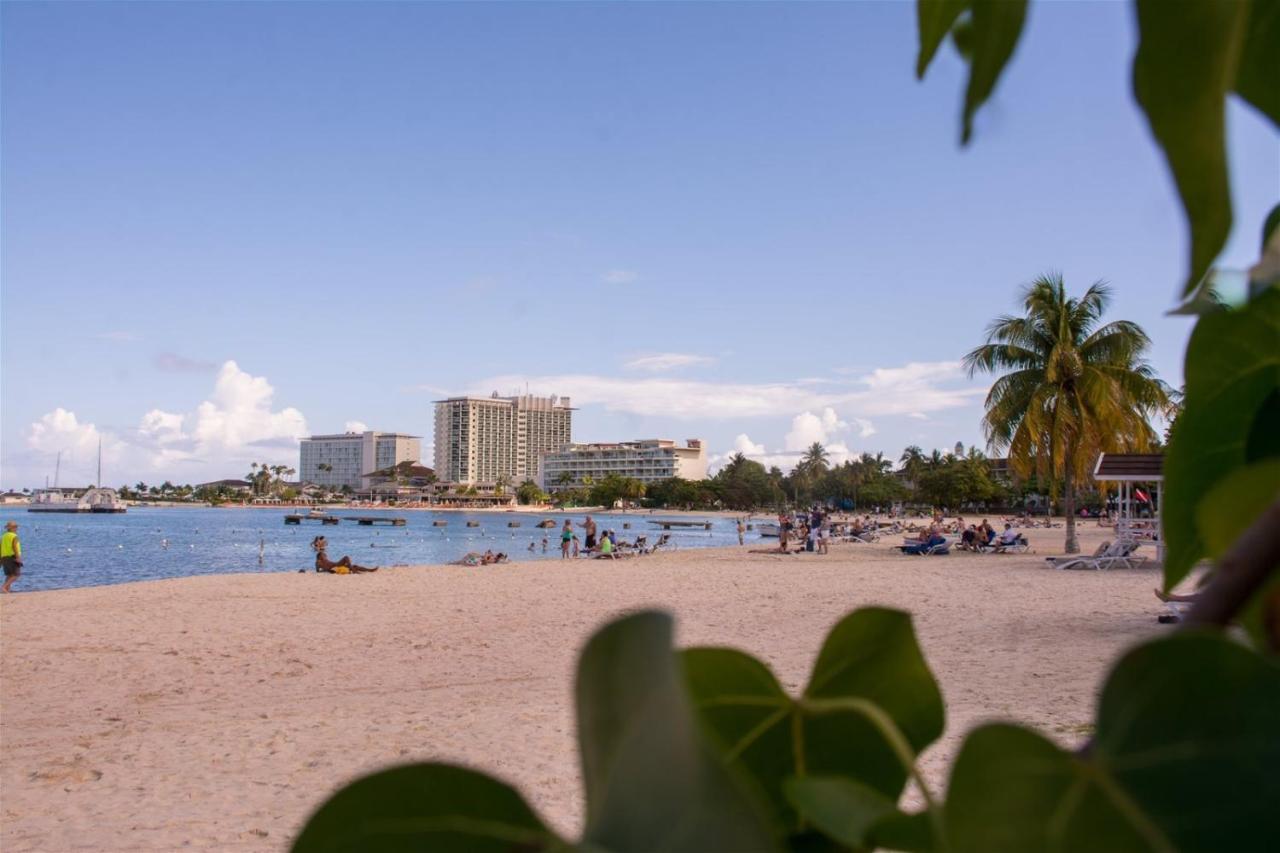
(217, 712)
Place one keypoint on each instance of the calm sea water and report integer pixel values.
(62, 551)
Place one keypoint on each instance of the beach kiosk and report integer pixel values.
(1132, 471)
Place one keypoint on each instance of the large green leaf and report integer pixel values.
(871, 705)
(1184, 758)
(856, 816)
(652, 783)
(436, 807)
(996, 27)
(1259, 71)
(1234, 501)
(1232, 372)
(935, 18)
(1186, 63)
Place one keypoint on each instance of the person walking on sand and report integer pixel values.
(10, 555)
(566, 539)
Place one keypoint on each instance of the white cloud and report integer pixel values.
(620, 277)
(236, 425)
(916, 387)
(667, 361)
(355, 426)
(806, 428)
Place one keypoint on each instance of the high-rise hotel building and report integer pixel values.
(481, 439)
(344, 459)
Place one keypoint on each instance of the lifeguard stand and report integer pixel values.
(1129, 470)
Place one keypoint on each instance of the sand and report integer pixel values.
(217, 712)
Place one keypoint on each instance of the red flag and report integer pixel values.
(1141, 495)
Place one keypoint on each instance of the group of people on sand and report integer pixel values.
(811, 531)
(595, 543)
(488, 558)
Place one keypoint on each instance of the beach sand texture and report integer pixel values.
(217, 712)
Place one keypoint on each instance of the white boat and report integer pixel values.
(66, 500)
(769, 528)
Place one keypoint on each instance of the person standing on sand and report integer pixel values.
(589, 528)
(566, 539)
(10, 555)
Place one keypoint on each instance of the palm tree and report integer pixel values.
(815, 459)
(913, 462)
(1074, 388)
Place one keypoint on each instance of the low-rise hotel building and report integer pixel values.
(647, 460)
(345, 458)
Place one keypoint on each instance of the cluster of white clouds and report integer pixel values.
(236, 425)
(913, 389)
(826, 428)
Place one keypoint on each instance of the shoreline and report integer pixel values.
(217, 711)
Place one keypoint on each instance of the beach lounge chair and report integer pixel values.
(1017, 546)
(1119, 554)
(927, 548)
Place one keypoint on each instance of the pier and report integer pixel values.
(296, 518)
(667, 525)
(371, 520)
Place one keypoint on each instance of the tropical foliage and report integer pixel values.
(1071, 386)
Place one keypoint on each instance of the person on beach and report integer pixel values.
(741, 529)
(589, 530)
(606, 547)
(342, 567)
(566, 539)
(10, 555)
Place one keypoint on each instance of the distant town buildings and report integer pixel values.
(647, 460)
(345, 459)
(487, 439)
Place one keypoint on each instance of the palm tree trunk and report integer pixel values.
(1072, 546)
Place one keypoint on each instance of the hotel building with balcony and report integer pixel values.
(647, 460)
(485, 439)
(345, 459)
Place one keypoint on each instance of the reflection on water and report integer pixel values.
(144, 544)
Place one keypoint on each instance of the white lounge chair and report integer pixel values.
(1118, 554)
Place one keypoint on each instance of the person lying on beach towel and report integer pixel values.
(341, 567)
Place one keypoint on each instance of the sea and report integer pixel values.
(148, 543)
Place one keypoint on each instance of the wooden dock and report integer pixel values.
(296, 518)
(370, 520)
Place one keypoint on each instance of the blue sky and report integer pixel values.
(226, 224)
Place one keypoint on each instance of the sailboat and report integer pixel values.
(96, 499)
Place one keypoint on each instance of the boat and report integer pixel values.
(96, 499)
(66, 500)
(769, 528)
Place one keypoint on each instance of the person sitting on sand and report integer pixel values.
(969, 539)
(606, 547)
(341, 567)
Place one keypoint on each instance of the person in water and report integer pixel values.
(342, 567)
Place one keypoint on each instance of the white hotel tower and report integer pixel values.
(480, 439)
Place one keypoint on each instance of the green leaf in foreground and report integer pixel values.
(1185, 65)
(652, 783)
(1231, 505)
(437, 807)
(1232, 371)
(870, 707)
(934, 19)
(1256, 79)
(997, 26)
(1184, 758)
(857, 816)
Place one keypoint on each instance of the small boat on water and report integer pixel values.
(769, 528)
(66, 500)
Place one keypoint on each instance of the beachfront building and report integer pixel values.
(648, 460)
(494, 439)
(345, 458)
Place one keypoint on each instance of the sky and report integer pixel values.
(226, 226)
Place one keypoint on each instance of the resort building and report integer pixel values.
(490, 439)
(344, 459)
(647, 460)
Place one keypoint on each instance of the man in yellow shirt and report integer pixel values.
(10, 555)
